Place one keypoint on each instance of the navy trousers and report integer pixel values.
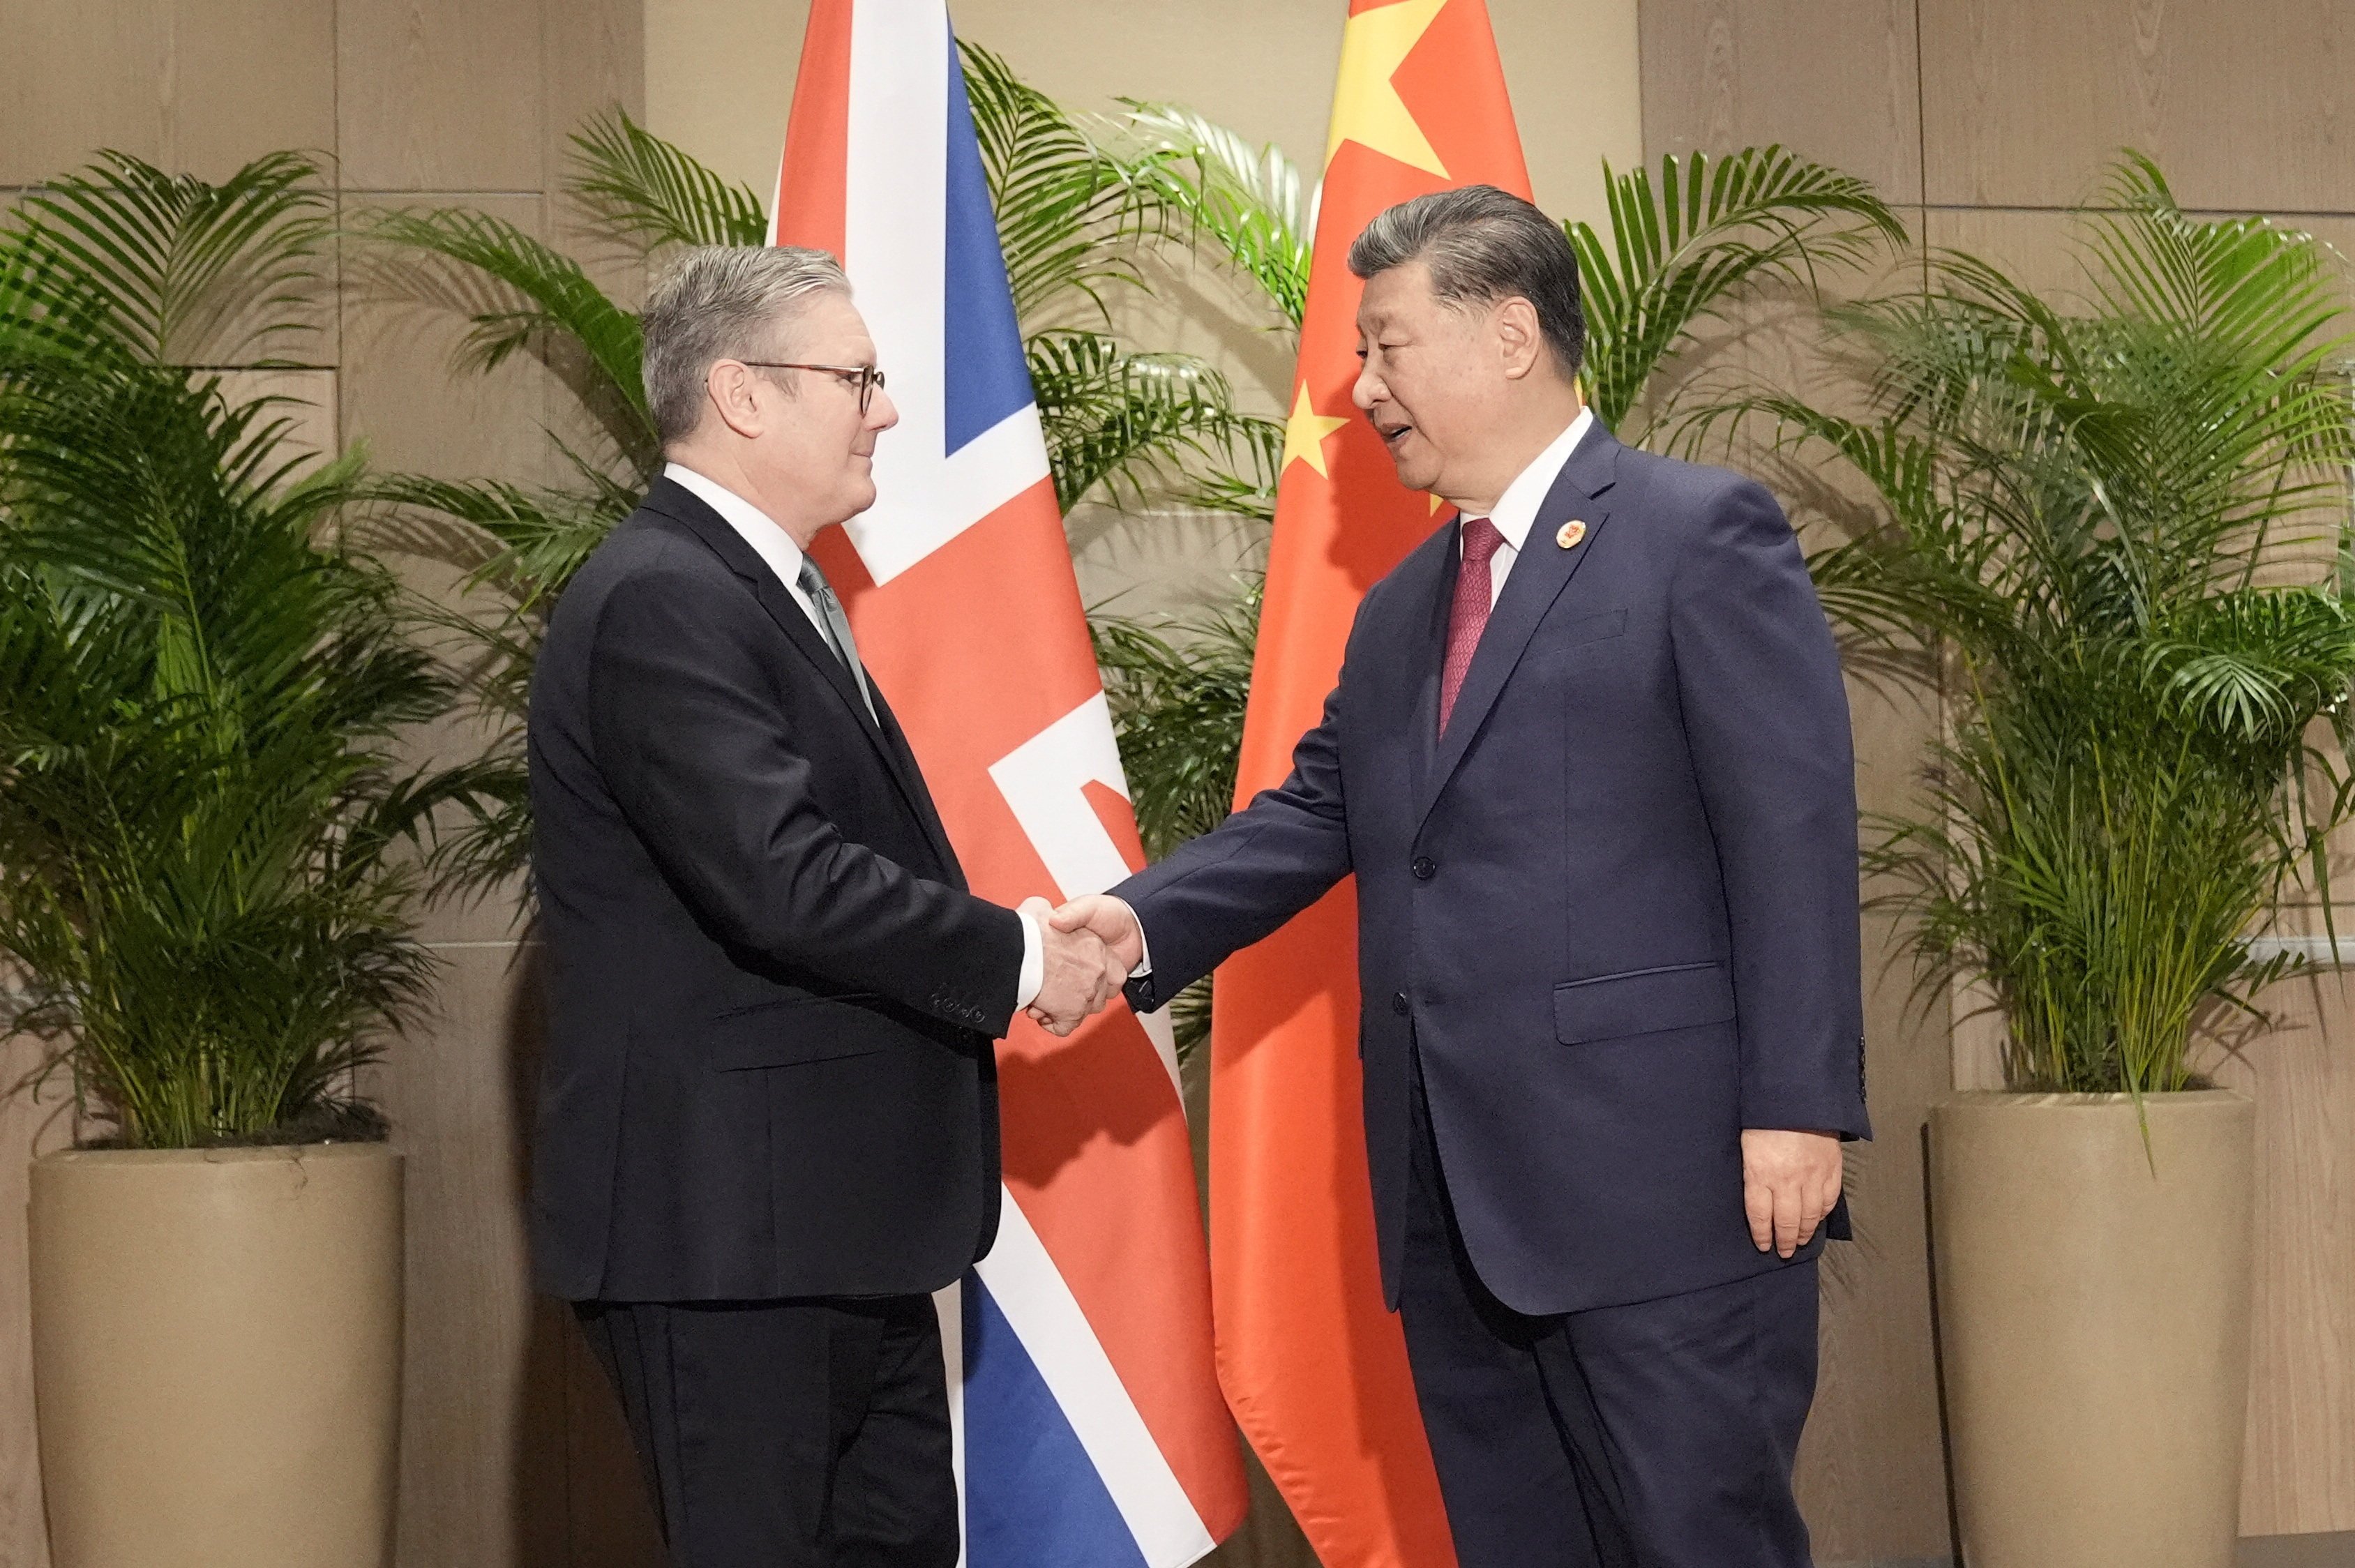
(1660, 1434)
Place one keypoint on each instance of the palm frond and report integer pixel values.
(522, 544)
(1680, 251)
(523, 295)
(185, 273)
(1064, 205)
(642, 189)
(1177, 689)
(1126, 424)
(537, 537)
(1247, 203)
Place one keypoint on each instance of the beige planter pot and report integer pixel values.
(2093, 1315)
(216, 1355)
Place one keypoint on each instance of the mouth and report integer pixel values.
(1393, 431)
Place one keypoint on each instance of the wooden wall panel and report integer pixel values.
(481, 1472)
(402, 390)
(1834, 82)
(429, 96)
(200, 85)
(593, 57)
(2300, 1474)
(2246, 105)
(1872, 1476)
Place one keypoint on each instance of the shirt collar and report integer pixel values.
(1516, 508)
(772, 543)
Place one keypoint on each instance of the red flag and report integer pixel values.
(1313, 1365)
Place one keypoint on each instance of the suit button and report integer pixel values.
(1425, 867)
(1399, 1004)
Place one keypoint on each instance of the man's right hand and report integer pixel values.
(1111, 921)
(1082, 977)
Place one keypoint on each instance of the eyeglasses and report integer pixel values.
(865, 378)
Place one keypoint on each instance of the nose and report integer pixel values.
(882, 413)
(1367, 389)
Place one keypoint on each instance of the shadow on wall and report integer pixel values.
(576, 1497)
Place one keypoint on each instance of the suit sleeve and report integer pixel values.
(703, 765)
(1765, 717)
(1243, 879)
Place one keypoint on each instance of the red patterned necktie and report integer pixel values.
(1476, 591)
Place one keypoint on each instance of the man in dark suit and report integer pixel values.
(768, 1116)
(1589, 760)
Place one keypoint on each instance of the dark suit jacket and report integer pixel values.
(768, 1068)
(1614, 907)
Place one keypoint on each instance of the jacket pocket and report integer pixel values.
(1592, 628)
(1642, 1001)
(795, 1030)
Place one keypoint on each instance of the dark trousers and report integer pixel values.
(788, 1433)
(1654, 1436)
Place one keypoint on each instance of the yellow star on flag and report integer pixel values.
(1305, 434)
(1366, 109)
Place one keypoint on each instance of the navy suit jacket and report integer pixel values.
(1615, 907)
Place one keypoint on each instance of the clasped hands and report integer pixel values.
(1791, 1179)
(1091, 943)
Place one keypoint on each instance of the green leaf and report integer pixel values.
(1126, 424)
(1066, 207)
(1247, 203)
(1711, 233)
(642, 189)
(523, 295)
(183, 271)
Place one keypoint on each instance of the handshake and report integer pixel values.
(1092, 944)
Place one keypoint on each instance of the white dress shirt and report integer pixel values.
(1516, 508)
(773, 545)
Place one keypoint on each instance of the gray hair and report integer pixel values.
(721, 302)
(1483, 245)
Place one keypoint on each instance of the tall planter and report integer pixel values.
(216, 1355)
(2093, 1306)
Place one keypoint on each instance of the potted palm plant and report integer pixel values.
(203, 886)
(2112, 522)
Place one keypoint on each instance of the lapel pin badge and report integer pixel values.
(1572, 532)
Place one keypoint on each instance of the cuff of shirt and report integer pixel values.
(1144, 948)
(1034, 961)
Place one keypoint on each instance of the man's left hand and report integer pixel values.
(1790, 1180)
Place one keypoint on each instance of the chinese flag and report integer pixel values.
(1312, 1363)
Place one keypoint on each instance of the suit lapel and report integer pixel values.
(920, 795)
(1544, 569)
(1425, 588)
(682, 505)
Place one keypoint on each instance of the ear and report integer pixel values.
(737, 394)
(1519, 340)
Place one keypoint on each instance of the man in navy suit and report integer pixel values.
(1589, 760)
